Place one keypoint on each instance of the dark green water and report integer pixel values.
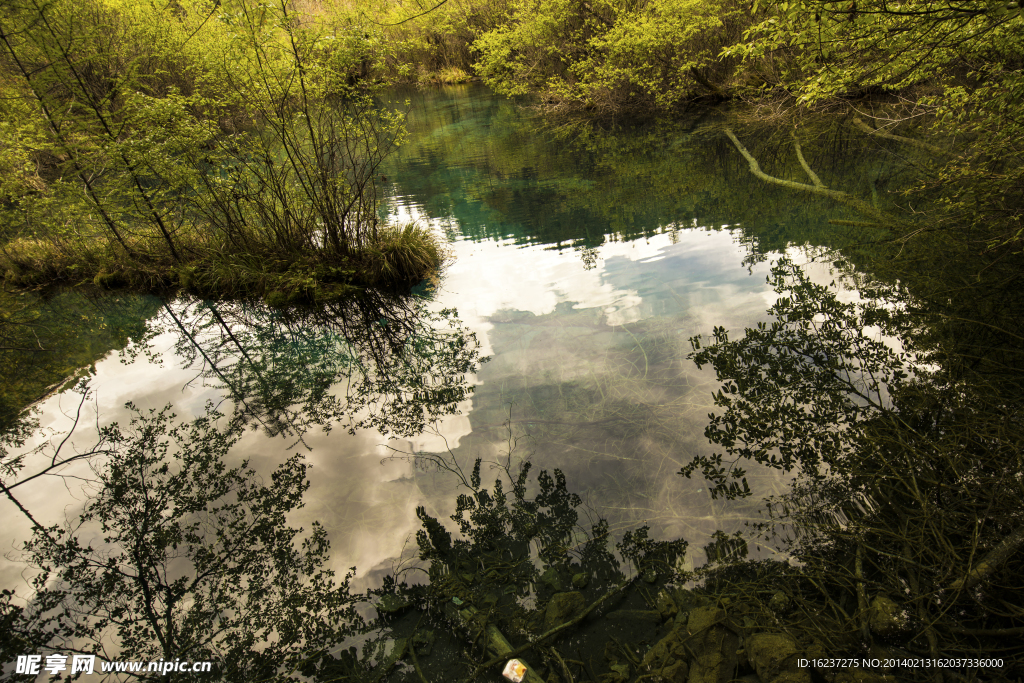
(485, 168)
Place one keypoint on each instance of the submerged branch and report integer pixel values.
(857, 224)
(1000, 554)
(803, 162)
(862, 596)
(855, 203)
(509, 653)
(879, 133)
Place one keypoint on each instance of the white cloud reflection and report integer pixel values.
(686, 282)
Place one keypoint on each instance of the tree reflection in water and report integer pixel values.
(906, 520)
(381, 362)
(906, 523)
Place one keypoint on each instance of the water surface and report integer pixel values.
(582, 260)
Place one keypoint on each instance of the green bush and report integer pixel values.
(215, 145)
(611, 55)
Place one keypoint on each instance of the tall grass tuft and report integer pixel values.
(405, 254)
(398, 257)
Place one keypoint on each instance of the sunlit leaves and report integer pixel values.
(607, 54)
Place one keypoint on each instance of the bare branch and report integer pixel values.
(879, 133)
(855, 203)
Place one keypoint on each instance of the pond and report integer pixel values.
(582, 260)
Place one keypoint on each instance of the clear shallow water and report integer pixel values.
(582, 260)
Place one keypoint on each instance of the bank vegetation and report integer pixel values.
(223, 149)
(235, 147)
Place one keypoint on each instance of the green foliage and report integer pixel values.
(612, 54)
(842, 48)
(982, 189)
(432, 42)
(190, 144)
(19, 138)
(957, 64)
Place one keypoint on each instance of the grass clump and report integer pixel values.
(399, 256)
(405, 254)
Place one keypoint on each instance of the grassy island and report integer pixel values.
(230, 153)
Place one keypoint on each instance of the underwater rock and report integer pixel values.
(666, 605)
(423, 643)
(885, 617)
(580, 581)
(685, 599)
(667, 659)
(704, 618)
(562, 607)
(774, 658)
(780, 602)
(714, 646)
(619, 674)
(551, 578)
(674, 671)
(398, 651)
(497, 642)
